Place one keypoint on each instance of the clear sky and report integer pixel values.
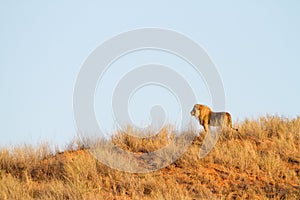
(255, 46)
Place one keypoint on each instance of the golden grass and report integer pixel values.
(262, 161)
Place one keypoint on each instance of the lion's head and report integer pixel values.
(202, 113)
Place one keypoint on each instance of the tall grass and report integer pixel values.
(262, 161)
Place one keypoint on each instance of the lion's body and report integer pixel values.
(208, 118)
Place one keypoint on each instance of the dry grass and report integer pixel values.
(262, 161)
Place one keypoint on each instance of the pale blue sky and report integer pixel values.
(254, 44)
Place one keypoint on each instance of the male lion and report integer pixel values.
(208, 118)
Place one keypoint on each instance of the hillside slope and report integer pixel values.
(262, 161)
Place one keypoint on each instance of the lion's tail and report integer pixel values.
(235, 129)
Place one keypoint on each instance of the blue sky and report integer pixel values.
(254, 44)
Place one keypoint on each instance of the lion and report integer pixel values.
(208, 118)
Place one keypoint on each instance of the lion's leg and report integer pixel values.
(206, 127)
